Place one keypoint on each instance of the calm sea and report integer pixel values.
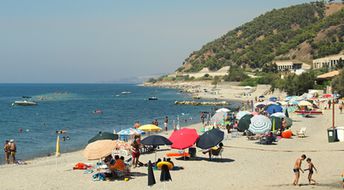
(71, 107)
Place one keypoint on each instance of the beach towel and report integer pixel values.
(81, 166)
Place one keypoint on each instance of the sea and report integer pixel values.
(72, 108)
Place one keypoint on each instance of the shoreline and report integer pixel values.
(239, 155)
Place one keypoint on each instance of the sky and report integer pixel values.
(91, 41)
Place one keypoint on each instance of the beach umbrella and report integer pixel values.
(223, 110)
(273, 108)
(276, 123)
(151, 178)
(149, 128)
(218, 117)
(183, 138)
(260, 104)
(327, 96)
(241, 114)
(273, 99)
(244, 122)
(282, 103)
(103, 136)
(99, 149)
(156, 140)
(210, 138)
(305, 103)
(130, 132)
(260, 124)
(278, 114)
(289, 121)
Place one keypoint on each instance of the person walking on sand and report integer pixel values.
(341, 107)
(166, 123)
(13, 150)
(297, 169)
(311, 171)
(7, 151)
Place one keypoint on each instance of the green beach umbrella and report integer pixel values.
(244, 122)
(277, 123)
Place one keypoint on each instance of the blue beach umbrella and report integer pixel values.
(273, 108)
(273, 99)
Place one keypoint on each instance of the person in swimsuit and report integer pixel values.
(343, 179)
(135, 151)
(311, 171)
(297, 169)
(7, 151)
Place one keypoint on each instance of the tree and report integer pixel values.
(338, 83)
(236, 73)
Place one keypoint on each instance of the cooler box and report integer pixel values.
(332, 135)
(340, 133)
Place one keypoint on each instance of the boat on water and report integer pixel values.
(153, 98)
(24, 103)
(126, 92)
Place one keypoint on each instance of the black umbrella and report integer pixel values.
(151, 178)
(210, 139)
(244, 122)
(103, 136)
(156, 140)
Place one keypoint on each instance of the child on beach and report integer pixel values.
(297, 169)
(310, 169)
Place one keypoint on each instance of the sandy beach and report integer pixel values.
(245, 165)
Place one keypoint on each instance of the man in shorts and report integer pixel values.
(297, 169)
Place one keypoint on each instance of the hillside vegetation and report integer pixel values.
(301, 32)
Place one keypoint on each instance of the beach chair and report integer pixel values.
(302, 132)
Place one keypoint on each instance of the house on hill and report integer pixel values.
(290, 65)
(326, 77)
(329, 62)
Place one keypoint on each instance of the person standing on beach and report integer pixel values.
(135, 151)
(166, 123)
(341, 107)
(7, 151)
(329, 104)
(13, 150)
(311, 169)
(297, 169)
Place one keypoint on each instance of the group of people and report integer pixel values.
(10, 149)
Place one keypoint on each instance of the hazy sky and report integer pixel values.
(65, 41)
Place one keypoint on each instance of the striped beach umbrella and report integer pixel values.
(260, 124)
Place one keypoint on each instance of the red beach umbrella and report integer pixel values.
(183, 138)
(327, 96)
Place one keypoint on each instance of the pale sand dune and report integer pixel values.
(245, 165)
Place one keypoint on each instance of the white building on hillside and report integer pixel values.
(290, 65)
(330, 62)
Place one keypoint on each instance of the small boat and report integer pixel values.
(308, 112)
(126, 92)
(24, 103)
(153, 98)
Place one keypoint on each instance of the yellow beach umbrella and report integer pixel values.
(304, 103)
(150, 128)
(57, 146)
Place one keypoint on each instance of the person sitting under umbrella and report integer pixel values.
(118, 167)
(214, 151)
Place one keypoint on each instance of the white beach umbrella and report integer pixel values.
(278, 114)
(241, 114)
(260, 124)
(223, 110)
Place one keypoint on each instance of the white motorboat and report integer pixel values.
(24, 103)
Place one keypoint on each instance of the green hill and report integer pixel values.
(300, 32)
